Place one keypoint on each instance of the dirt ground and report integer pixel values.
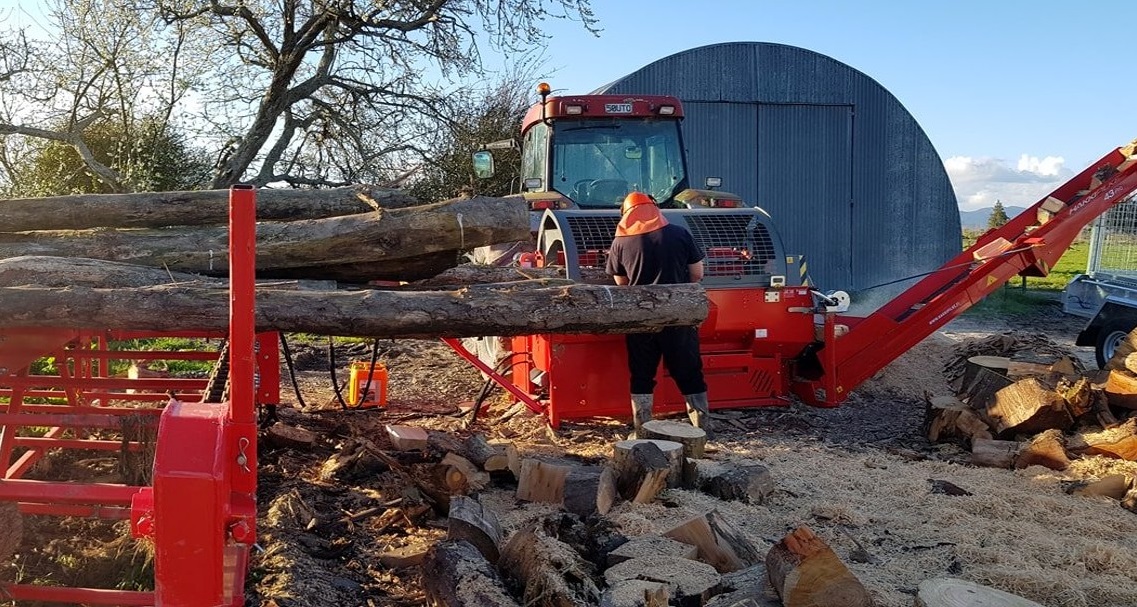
(859, 475)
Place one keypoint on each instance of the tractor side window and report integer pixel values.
(533, 155)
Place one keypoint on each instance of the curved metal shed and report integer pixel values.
(850, 178)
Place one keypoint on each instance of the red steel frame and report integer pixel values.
(587, 374)
(201, 510)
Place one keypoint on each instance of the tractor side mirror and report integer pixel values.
(483, 164)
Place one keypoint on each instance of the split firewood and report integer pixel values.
(1130, 362)
(720, 543)
(636, 593)
(490, 457)
(748, 587)
(390, 244)
(949, 592)
(1029, 406)
(476, 480)
(1124, 349)
(690, 582)
(976, 364)
(205, 207)
(400, 558)
(1046, 449)
(694, 440)
(806, 572)
(407, 438)
(1118, 442)
(1099, 406)
(543, 480)
(350, 462)
(1114, 486)
(550, 572)
(994, 453)
(461, 577)
(1121, 389)
(471, 521)
(946, 417)
(649, 545)
(982, 389)
(606, 493)
(740, 480)
(671, 450)
(503, 309)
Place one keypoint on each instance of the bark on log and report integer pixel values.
(673, 451)
(582, 491)
(806, 572)
(949, 592)
(469, 520)
(641, 471)
(488, 456)
(743, 480)
(549, 571)
(948, 418)
(505, 309)
(470, 274)
(542, 481)
(459, 576)
(395, 244)
(206, 207)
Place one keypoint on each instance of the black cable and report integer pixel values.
(291, 370)
(335, 382)
(332, 373)
(490, 384)
(370, 372)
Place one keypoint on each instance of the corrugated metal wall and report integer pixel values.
(848, 175)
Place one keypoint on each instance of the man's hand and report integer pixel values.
(696, 271)
(620, 280)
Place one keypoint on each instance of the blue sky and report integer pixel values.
(1015, 96)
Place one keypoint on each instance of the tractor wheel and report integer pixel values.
(1111, 335)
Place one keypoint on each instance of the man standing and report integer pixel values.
(648, 250)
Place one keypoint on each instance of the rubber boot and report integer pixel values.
(641, 412)
(699, 412)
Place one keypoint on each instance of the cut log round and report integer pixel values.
(461, 577)
(720, 543)
(1029, 406)
(1121, 389)
(947, 418)
(743, 480)
(549, 571)
(396, 244)
(672, 450)
(976, 364)
(950, 592)
(641, 470)
(543, 481)
(1046, 449)
(469, 520)
(691, 582)
(636, 593)
(583, 492)
(206, 207)
(489, 457)
(806, 572)
(505, 309)
(694, 440)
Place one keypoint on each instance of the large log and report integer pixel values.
(388, 244)
(505, 309)
(206, 207)
(469, 274)
(549, 572)
(457, 575)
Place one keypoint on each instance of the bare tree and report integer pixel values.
(320, 92)
(110, 66)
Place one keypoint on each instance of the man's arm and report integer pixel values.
(695, 270)
(620, 280)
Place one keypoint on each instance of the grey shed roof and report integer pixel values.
(849, 177)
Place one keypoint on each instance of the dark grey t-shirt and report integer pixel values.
(656, 258)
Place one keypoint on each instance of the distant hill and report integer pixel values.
(977, 219)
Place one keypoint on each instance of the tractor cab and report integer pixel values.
(589, 151)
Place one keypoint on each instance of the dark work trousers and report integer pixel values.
(679, 348)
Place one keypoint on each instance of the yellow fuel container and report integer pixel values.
(376, 391)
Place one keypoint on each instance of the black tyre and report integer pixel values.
(1109, 338)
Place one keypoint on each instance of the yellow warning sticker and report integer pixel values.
(991, 280)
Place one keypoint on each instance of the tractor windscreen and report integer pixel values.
(597, 161)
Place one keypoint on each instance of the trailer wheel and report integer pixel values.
(1109, 338)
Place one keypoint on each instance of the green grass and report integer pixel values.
(1021, 294)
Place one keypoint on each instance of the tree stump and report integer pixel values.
(542, 481)
(583, 493)
(806, 572)
(694, 440)
(975, 366)
(949, 592)
(672, 450)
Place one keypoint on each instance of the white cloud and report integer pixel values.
(979, 182)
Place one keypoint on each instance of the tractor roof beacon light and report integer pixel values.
(543, 89)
